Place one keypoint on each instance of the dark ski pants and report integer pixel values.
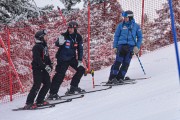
(39, 76)
(61, 69)
(122, 62)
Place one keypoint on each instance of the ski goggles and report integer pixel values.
(74, 26)
(124, 14)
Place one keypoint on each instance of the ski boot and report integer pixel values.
(115, 81)
(53, 97)
(74, 90)
(127, 78)
(30, 106)
(109, 82)
(43, 103)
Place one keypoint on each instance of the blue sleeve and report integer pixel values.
(139, 36)
(117, 35)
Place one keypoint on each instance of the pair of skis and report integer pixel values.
(126, 81)
(64, 99)
(50, 105)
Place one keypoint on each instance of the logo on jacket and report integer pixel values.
(124, 27)
(68, 44)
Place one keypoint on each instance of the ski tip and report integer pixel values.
(69, 100)
(16, 109)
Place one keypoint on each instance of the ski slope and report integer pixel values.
(157, 98)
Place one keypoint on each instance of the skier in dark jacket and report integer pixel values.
(127, 42)
(41, 66)
(68, 43)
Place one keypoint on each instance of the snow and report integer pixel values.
(42, 3)
(156, 98)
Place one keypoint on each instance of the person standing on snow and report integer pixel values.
(68, 43)
(41, 66)
(127, 42)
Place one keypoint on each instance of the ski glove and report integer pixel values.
(48, 68)
(135, 50)
(61, 40)
(115, 50)
(80, 63)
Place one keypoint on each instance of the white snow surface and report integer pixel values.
(156, 98)
(55, 3)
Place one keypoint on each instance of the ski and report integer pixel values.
(91, 91)
(38, 108)
(141, 78)
(131, 80)
(66, 98)
(125, 83)
(44, 106)
(60, 102)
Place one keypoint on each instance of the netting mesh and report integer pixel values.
(105, 16)
(150, 7)
(155, 23)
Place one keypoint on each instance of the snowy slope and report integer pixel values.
(156, 98)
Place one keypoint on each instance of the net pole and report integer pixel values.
(174, 35)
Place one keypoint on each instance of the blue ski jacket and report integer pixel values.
(127, 33)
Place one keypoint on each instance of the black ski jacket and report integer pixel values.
(40, 56)
(73, 43)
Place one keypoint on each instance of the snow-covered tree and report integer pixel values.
(159, 32)
(92, 2)
(12, 11)
(69, 3)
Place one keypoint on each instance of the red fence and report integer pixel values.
(17, 41)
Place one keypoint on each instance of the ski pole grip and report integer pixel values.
(92, 73)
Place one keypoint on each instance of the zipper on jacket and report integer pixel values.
(127, 35)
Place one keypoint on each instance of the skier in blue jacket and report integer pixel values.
(69, 43)
(127, 42)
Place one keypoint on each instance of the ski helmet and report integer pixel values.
(73, 24)
(40, 34)
(128, 14)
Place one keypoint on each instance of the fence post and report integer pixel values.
(142, 23)
(89, 29)
(60, 12)
(9, 55)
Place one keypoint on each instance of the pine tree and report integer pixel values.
(69, 3)
(92, 2)
(159, 32)
(15, 10)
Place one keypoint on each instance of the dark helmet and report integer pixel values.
(72, 24)
(40, 34)
(128, 14)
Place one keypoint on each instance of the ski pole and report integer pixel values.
(137, 55)
(140, 64)
(92, 73)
